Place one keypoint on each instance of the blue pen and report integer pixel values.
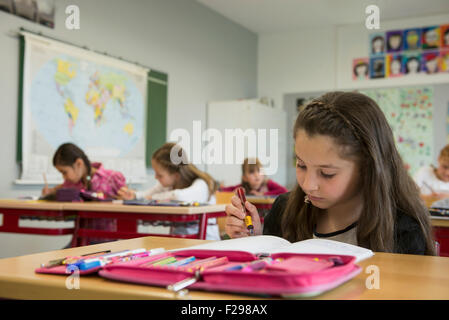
(237, 267)
(182, 262)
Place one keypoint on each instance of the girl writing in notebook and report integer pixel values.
(178, 180)
(254, 181)
(351, 183)
(79, 173)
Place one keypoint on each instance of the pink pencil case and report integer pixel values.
(287, 275)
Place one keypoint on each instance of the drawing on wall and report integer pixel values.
(394, 41)
(430, 62)
(431, 37)
(377, 41)
(412, 39)
(409, 111)
(377, 67)
(411, 51)
(393, 65)
(412, 63)
(447, 124)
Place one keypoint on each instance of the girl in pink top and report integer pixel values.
(254, 181)
(79, 173)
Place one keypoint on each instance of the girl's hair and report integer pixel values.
(187, 171)
(67, 154)
(249, 166)
(359, 127)
(444, 153)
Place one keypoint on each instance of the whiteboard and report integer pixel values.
(264, 131)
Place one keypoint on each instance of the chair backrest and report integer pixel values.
(222, 198)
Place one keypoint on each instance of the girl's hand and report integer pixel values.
(235, 223)
(126, 194)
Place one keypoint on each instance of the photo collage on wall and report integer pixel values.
(397, 53)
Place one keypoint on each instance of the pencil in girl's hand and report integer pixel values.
(45, 179)
(248, 221)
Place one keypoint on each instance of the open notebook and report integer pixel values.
(273, 244)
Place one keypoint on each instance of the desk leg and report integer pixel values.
(202, 228)
(75, 236)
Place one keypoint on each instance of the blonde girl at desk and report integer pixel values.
(433, 182)
(178, 180)
(351, 183)
(254, 181)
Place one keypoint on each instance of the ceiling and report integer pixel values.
(271, 16)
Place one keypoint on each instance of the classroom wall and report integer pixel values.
(320, 59)
(311, 61)
(206, 56)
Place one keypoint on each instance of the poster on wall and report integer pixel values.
(377, 44)
(431, 37)
(412, 39)
(377, 67)
(360, 69)
(411, 63)
(431, 62)
(394, 65)
(409, 111)
(395, 53)
(394, 41)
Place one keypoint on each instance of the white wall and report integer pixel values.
(297, 61)
(206, 56)
(317, 60)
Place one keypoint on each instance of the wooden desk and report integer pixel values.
(127, 217)
(401, 277)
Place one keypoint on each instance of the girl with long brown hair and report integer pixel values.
(351, 183)
(178, 180)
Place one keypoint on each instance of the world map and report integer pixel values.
(87, 103)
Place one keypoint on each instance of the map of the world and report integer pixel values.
(76, 100)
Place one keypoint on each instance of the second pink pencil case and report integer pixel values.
(287, 275)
